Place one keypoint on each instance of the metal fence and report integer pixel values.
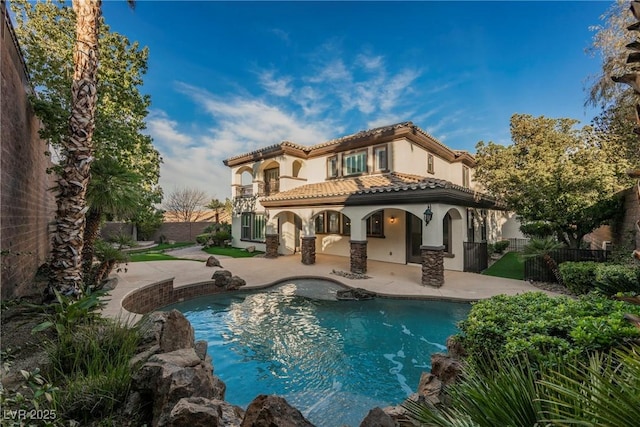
(517, 245)
(476, 257)
(535, 269)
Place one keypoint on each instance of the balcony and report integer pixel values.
(268, 188)
(244, 191)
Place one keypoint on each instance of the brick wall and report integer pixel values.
(178, 231)
(26, 205)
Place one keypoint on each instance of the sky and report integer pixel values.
(227, 78)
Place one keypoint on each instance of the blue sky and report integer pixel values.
(230, 77)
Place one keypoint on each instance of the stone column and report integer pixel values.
(308, 250)
(358, 256)
(272, 241)
(432, 265)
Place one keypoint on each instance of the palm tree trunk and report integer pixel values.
(66, 266)
(92, 228)
(553, 266)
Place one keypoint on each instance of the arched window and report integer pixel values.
(446, 233)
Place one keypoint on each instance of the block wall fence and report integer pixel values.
(27, 207)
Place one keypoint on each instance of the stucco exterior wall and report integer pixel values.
(27, 206)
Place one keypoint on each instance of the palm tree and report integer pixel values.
(112, 191)
(77, 152)
(543, 248)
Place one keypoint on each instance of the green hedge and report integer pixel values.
(614, 278)
(579, 277)
(544, 328)
(584, 277)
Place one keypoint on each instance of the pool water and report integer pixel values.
(333, 360)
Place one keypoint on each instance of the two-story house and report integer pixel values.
(393, 194)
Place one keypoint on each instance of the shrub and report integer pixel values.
(500, 246)
(544, 328)
(202, 239)
(614, 278)
(601, 391)
(92, 361)
(579, 277)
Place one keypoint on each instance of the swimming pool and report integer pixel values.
(333, 360)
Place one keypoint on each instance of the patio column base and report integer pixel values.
(308, 250)
(432, 265)
(272, 242)
(358, 256)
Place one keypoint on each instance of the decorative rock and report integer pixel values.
(446, 368)
(166, 383)
(151, 326)
(201, 412)
(251, 249)
(221, 278)
(213, 262)
(378, 418)
(355, 294)
(184, 358)
(430, 388)
(177, 333)
(236, 283)
(201, 349)
(267, 411)
(455, 348)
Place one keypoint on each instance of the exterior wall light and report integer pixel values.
(428, 215)
(392, 220)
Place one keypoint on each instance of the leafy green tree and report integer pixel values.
(111, 123)
(552, 172)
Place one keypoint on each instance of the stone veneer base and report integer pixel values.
(432, 265)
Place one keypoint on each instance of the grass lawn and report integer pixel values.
(232, 252)
(156, 253)
(154, 256)
(510, 266)
(162, 247)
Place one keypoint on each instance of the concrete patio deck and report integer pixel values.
(385, 278)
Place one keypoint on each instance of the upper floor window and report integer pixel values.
(430, 168)
(271, 181)
(332, 167)
(354, 163)
(466, 183)
(380, 158)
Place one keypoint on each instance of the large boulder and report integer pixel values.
(202, 412)
(273, 411)
(446, 368)
(430, 388)
(235, 283)
(177, 333)
(213, 262)
(222, 278)
(378, 418)
(168, 377)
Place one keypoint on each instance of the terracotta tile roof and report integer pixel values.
(369, 133)
(364, 184)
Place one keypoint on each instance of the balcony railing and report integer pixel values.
(244, 191)
(268, 188)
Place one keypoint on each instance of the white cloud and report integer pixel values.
(311, 108)
(275, 86)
